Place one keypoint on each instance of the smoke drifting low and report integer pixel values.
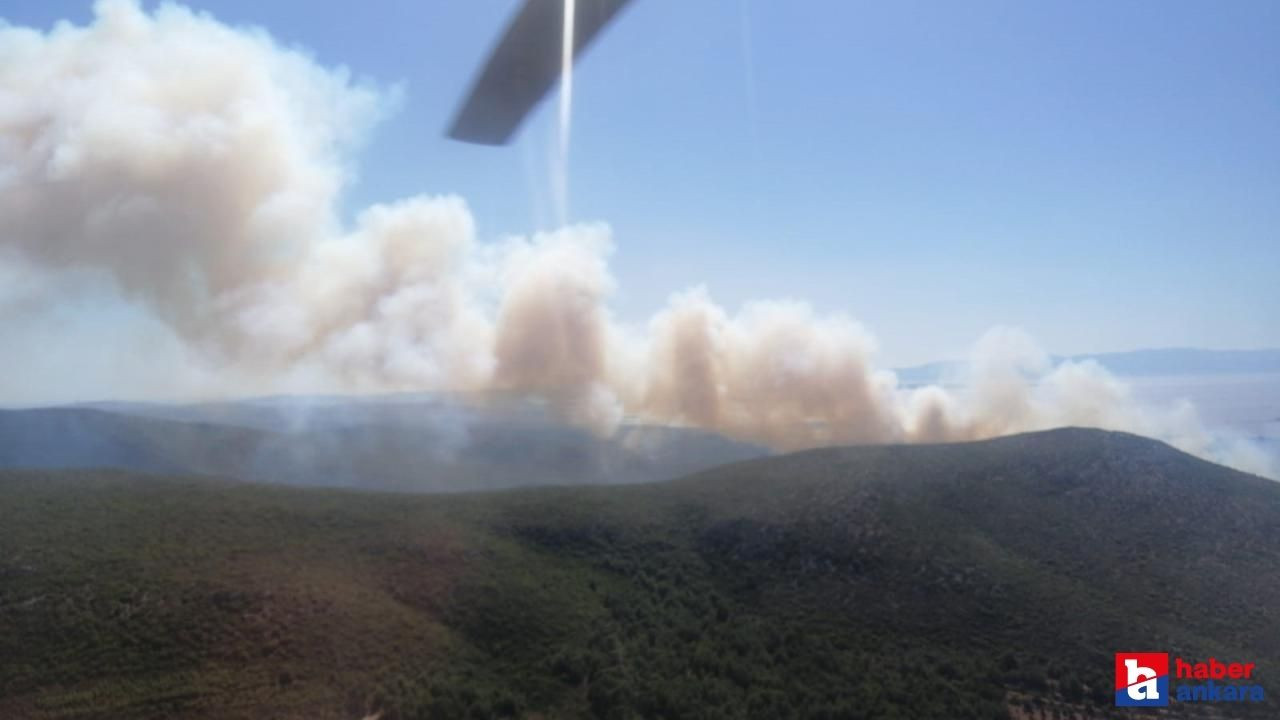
(198, 167)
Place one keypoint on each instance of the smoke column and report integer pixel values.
(192, 171)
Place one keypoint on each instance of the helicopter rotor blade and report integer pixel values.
(524, 65)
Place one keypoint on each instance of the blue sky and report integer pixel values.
(1105, 175)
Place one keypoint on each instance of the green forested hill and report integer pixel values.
(990, 579)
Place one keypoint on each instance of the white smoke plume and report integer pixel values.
(195, 169)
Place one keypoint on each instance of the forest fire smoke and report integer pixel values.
(200, 166)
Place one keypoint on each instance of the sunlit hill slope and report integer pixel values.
(978, 580)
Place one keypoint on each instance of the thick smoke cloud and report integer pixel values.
(196, 169)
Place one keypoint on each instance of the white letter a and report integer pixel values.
(1142, 682)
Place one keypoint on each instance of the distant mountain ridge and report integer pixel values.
(391, 443)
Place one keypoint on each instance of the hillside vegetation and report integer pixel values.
(979, 580)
